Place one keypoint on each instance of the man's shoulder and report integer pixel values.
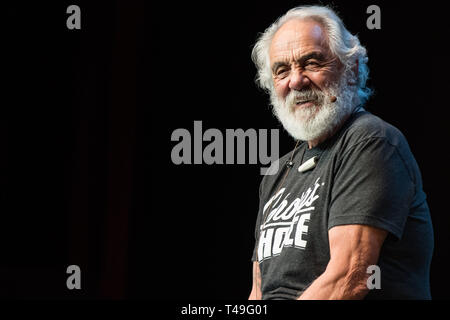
(365, 125)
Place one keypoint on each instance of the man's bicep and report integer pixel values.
(354, 247)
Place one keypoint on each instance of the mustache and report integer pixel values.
(305, 95)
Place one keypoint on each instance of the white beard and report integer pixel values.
(311, 123)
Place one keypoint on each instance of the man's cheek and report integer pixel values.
(281, 88)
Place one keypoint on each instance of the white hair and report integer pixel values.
(345, 46)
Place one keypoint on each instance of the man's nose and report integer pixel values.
(298, 80)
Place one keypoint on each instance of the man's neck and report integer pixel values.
(316, 142)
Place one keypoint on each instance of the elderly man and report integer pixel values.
(345, 217)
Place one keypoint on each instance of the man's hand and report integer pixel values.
(352, 249)
(256, 288)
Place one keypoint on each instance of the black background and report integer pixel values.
(86, 123)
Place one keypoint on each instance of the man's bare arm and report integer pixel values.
(256, 294)
(352, 249)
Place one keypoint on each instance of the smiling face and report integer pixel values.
(300, 58)
(306, 75)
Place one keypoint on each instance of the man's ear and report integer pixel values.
(355, 71)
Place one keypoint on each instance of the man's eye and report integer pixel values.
(281, 72)
(311, 64)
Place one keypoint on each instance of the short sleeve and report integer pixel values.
(372, 186)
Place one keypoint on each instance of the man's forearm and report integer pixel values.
(256, 288)
(332, 286)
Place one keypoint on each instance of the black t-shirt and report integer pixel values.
(366, 174)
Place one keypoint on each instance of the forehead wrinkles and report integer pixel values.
(298, 37)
